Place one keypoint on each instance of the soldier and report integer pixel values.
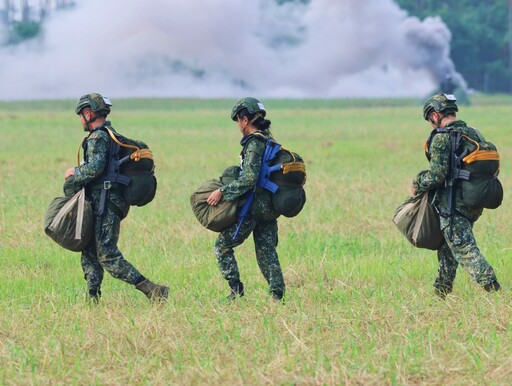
(460, 245)
(102, 253)
(249, 113)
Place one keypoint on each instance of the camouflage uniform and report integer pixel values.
(262, 221)
(103, 253)
(462, 249)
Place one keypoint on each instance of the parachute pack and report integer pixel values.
(475, 165)
(131, 168)
(283, 173)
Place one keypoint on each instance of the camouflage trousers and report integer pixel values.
(461, 249)
(265, 242)
(102, 254)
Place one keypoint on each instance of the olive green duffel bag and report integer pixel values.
(69, 221)
(215, 218)
(219, 217)
(418, 221)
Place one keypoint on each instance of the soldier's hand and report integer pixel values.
(214, 197)
(69, 172)
(413, 190)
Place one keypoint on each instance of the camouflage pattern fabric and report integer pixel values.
(250, 164)
(462, 249)
(434, 178)
(103, 253)
(265, 243)
(262, 221)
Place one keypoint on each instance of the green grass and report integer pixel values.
(360, 307)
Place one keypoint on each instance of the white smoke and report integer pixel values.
(229, 48)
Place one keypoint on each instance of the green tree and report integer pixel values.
(480, 38)
(23, 30)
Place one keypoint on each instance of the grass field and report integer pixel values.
(360, 308)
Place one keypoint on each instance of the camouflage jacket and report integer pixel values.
(434, 178)
(251, 157)
(96, 154)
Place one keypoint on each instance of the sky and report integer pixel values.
(229, 48)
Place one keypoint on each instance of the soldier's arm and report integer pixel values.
(97, 152)
(249, 174)
(439, 165)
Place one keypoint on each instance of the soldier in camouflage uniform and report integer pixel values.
(102, 253)
(250, 113)
(460, 245)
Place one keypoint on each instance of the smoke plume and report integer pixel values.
(230, 48)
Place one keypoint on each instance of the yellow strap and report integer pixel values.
(141, 153)
(114, 138)
(137, 154)
(78, 153)
(293, 167)
(482, 155)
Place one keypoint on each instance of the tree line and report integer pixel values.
(22, 19)
(481, 45)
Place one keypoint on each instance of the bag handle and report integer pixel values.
(80, 215)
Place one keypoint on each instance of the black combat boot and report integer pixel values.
(277, 294)
(154, 292)
(237, 289)
(442, 290)
(93, 296)
(492, 287)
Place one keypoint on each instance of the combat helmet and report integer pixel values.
(252, 105)
(98, 104)
(441, 103)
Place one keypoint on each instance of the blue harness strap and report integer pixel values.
(271, 150)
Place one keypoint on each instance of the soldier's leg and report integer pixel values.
(226, 257)
(93, 272)
(113, 261)
(466, 252)
(446, 271)
(265, 243)
(109, 256)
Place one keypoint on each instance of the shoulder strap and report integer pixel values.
(137, 153)
(81, 146)
(430, 138)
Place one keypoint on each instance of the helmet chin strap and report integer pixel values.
(86, 127)
(438, 122)
(443, 116)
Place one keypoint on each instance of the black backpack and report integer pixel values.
(130, 168)
(131, 165)
(283, 173)
(288, 171)
(475, 164)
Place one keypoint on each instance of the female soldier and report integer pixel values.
(250, 113)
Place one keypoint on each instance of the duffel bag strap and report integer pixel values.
(65, 210)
